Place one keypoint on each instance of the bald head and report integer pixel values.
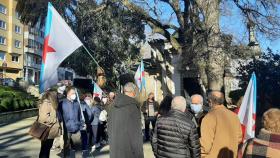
(216, 98)
(179, 103)
(196, 99)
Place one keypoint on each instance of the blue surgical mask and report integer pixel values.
(196, 108)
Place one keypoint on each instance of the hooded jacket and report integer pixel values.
(124, 127)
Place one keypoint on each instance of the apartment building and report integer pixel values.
(33, 40)
(11, 41)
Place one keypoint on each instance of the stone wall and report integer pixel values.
(9, 117)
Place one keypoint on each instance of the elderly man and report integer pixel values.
(175, 135)
(220, 130)
(198, 109)
(150, 110)
(125, 137)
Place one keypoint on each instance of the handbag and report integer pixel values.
(39, 130)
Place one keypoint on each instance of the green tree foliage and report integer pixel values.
(111, 33)
(268, 79)
(112, 36)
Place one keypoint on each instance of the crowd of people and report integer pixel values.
(78, 126)
(178, 130)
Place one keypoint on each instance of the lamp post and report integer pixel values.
(4, 66)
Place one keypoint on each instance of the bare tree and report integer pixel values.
(196, 33)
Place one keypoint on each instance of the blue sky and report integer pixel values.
(231, 23)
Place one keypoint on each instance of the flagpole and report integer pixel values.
(91, 56)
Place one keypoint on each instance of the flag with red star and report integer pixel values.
(60, 41)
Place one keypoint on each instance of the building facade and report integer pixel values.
(33, 39)
(11, 41)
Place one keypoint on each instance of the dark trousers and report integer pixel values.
(46, 146)
(72, 141)
(102, 131)
(148, 120)
(95, 134)
(84, 136)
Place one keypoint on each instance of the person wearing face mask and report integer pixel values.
(72, 122)
(85, 105)
(198, 109)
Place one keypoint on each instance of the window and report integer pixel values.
(17, 44)
(17, 29)
(2, 40)
(15, 58)
(2, 55)
(3, 9)
(2, 24)
(17, 15)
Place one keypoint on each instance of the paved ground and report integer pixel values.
(16, 143)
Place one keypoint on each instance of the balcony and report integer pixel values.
(33, 51)
(32, 65)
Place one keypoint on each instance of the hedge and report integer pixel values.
(12, 99)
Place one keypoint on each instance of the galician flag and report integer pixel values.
(97, 91)
(59, 43)
(140, 76)
(247, 111)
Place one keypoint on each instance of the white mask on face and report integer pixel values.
(88, 102)
(196, 108)
(104, 100)
(73, 97)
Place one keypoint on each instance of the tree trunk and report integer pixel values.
(215, 65)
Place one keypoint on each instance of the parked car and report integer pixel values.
(8, 82)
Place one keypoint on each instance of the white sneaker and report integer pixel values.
(93, 148)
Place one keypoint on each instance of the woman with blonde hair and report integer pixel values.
(267, 143)
(48, 115)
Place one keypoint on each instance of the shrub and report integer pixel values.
(6, 103)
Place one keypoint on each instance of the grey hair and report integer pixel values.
(130, 87)
(197, 95)
(179, 103)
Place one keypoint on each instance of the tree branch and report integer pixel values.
(157, 26)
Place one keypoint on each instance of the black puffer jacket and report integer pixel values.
(175, 136)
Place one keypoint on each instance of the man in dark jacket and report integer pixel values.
(150, 110)
(72, 122)
(198, 110)
(175, 134)
(125, 137)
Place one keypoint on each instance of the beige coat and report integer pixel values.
(48, 116)
(220, 133)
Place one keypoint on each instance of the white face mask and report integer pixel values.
(104, 100)
(196, 108)
(88, 102)
(73, 97)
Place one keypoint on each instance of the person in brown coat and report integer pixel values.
(48, 116)
(220, 130)
(267, 143)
